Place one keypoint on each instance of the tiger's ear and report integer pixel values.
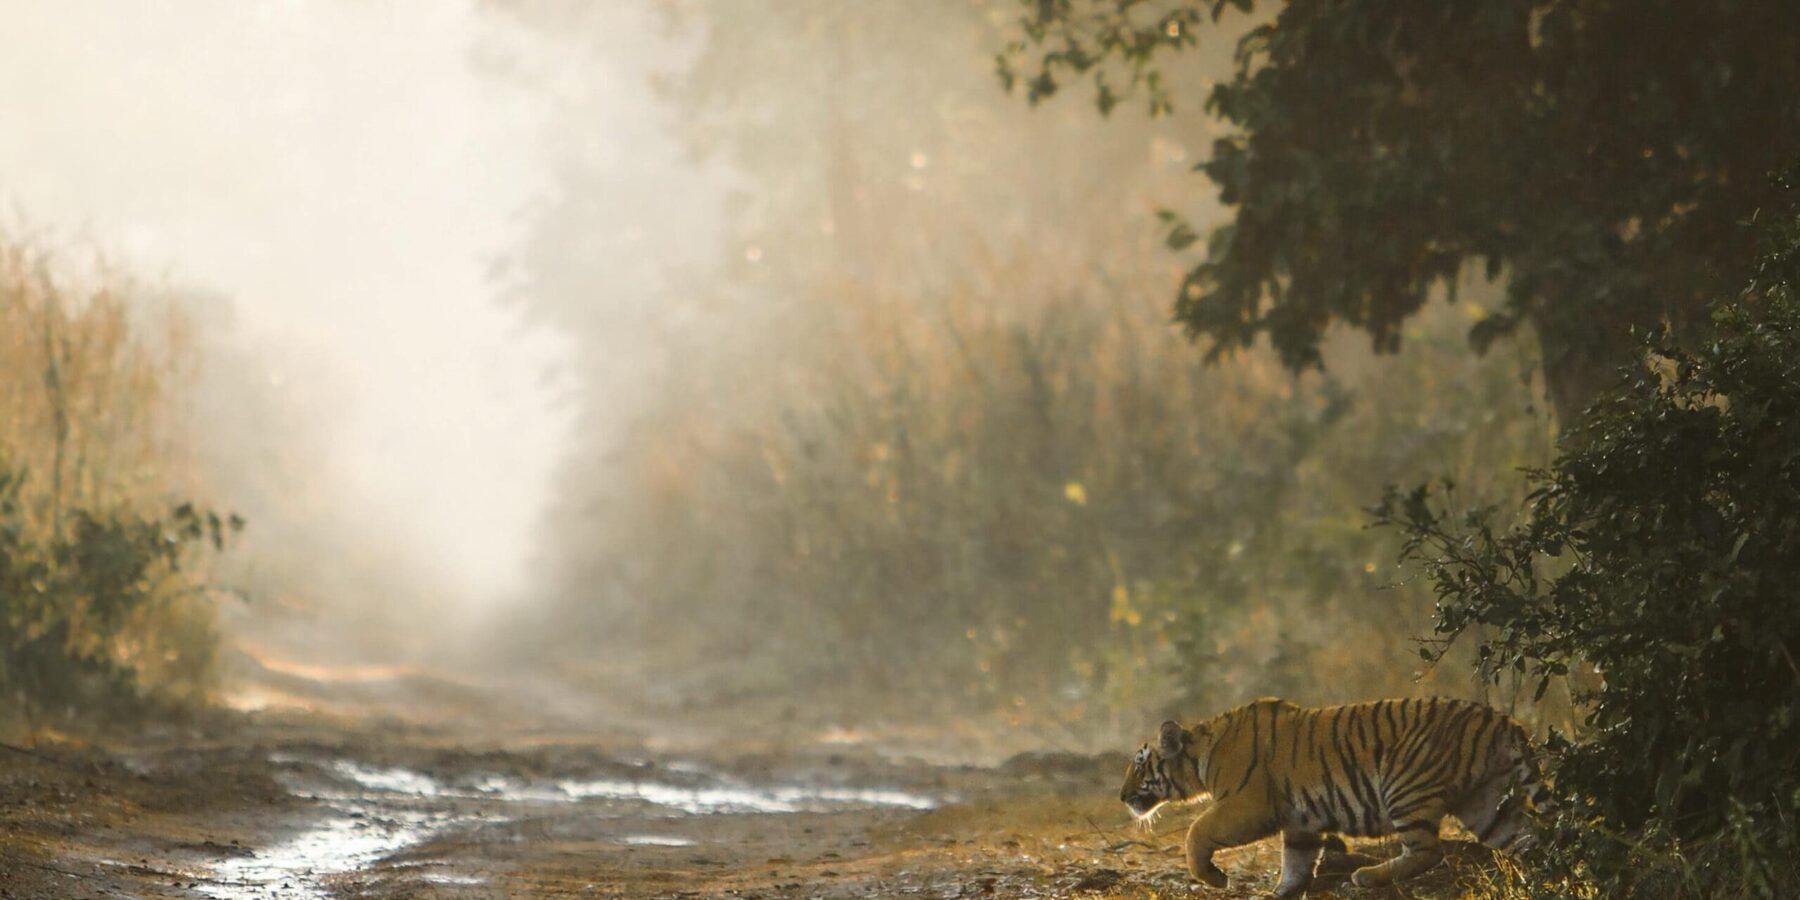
(1171, 740)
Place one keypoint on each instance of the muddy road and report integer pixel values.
(321, 803)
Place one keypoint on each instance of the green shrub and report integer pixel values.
(73, 606)
(1658, 554)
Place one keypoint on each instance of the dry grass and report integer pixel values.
(92, 366)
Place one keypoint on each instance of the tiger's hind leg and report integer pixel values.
(1418, 831)
(1299, 857)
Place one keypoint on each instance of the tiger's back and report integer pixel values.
(1371, 769)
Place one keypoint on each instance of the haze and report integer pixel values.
(344, 174)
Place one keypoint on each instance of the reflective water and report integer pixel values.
(725, 798)
(655, 840)
(297, 866)
(374, 812)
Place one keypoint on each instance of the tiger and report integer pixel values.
(1365, 769)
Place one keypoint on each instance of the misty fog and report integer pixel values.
(346, 177)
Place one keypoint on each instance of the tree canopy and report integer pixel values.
(1598, 156)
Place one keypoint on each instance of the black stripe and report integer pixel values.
(1367, 804)
(1356, 719)
(1375, 809)
(1315, 815)
(1212, 779)
(1347, 821)
(1328, 787)
(1455, 739)
(1384, 712)
(1255, 749)
(1294, 754)
(1274, 743)
(1430, 773)
(1418, 740)
(1400, 811)
(1486, 734)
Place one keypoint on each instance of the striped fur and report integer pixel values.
(1387, 767)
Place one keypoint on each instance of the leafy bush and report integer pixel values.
(73, 606)
(1659, 551)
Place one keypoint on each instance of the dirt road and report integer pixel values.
(317, 804)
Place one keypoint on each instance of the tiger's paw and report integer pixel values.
(1287, 890)
(1210, 875)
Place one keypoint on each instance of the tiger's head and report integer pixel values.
(1166, 772)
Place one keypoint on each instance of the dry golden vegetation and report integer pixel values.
(95, 467)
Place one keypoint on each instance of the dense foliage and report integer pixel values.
(1659, 550)
(1596, 153)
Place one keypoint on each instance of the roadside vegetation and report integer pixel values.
(106, 599)
(1655, 554)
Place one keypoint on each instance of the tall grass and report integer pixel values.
(97, 596)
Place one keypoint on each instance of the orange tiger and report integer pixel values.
(1391, 766)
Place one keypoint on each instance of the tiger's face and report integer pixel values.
(1165, 772)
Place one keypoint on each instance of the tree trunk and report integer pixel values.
(1582, 357)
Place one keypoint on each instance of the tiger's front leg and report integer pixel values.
(1227, 823)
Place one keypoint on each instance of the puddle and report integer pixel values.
(655, 840)
(696, 800)
(449, 878)
(391, 809)
(509, 790)
(733, 799)
(374, 812)
(393, 781)
(427, 871)
(296, 868)
(861, 797)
